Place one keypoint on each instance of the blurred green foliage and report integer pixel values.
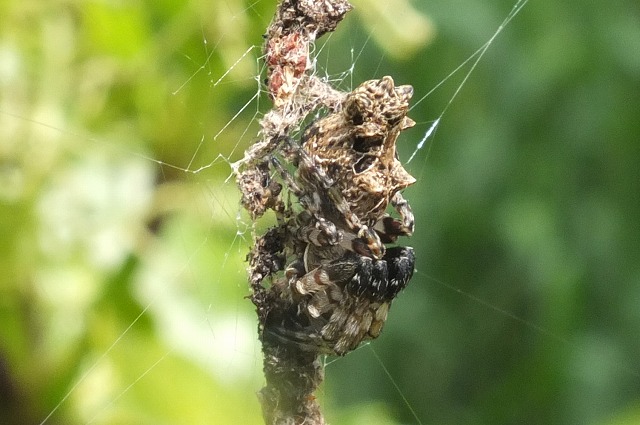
(122, 243)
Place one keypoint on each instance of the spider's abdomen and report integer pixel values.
(356, 146)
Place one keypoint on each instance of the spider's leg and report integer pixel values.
(257, 153)
(390, 228)
(368, 242)
(404, 209)
(290, 181)
(323, 231)
(325, 192)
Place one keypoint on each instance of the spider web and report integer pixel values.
(187, 270)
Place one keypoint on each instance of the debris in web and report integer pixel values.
(322, 278)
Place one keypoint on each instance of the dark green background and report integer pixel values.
(125, 273)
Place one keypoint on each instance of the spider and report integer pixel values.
(343, 279)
